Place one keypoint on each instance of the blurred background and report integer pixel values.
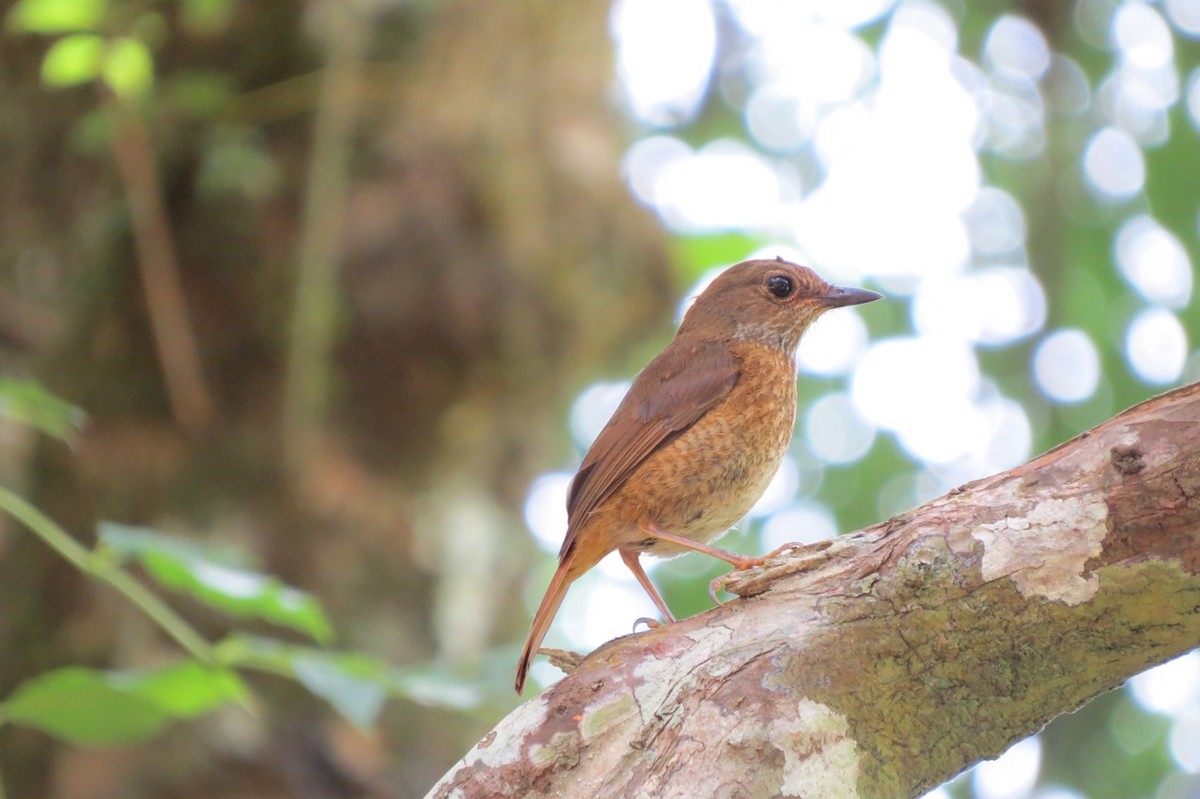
(348, 288)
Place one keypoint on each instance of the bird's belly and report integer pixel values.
(700, 484)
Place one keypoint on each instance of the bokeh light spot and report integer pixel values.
(1193, 97)
(1154, 262)
(546, 509)
(992, 306)
(1066, 86)
(645, 162)
(800, 523)
(1141, 35)
(778, 119)
(593, 408)
(723, 186)
(1009, 435)
(1015, 46)
(922, 388)
(1184, 15)
(833, 344)
(1170, 688)
(1066, 366)
(1113, 164)
(995, 222)
(835, 431)
(1184, 740)
(606, 604)
(1156, 346)
(665, 52)
(759, 17)
(1012, 775)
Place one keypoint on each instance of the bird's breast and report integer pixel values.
(708, 477)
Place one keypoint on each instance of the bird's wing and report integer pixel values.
(669, 396)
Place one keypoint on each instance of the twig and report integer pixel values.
(190, 400)
(314, 314)
(98, 565)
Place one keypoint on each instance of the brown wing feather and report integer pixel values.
(671, 393)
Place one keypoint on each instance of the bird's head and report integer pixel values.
(770, 302)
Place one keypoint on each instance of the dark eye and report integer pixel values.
(780, 285)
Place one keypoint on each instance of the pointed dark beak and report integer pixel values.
(839, 297)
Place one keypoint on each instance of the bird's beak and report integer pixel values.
(838, 297)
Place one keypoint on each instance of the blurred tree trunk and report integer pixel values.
(890, 660)
(490, 260)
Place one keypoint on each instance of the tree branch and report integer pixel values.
(891, 659)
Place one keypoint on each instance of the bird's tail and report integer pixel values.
(566, 573)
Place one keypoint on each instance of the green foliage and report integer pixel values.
(98, 708)
(357, 685)
(57, 16)
(209, 575)
(188, 688)
(73, 60)
(84, 706)
(87, 53)
(110, 708)
(28, 403)
(129, 68)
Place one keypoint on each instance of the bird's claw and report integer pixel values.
(715, 586)
(651, 624)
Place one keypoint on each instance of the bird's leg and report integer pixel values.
(630, 556)
(738, 562)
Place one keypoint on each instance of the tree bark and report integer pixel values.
(886, 661)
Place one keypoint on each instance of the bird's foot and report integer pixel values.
(651, 624)
(718, 583)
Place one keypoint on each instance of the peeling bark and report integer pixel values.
(889, 660)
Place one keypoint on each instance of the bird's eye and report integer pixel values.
(780, 285)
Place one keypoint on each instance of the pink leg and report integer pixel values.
(630, 556)
(736, 561)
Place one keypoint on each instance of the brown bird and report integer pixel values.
(700, 434)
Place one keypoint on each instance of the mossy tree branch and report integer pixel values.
(894, 658)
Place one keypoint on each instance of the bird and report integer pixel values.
(698, 436)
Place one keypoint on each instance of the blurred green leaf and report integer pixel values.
(186, 689)
(84, 707)
(131, 542)
(73, 60)
(355, 684)
(57, 16)
(347, 682)
(98, 708)
(209, 576)
(129, 68)
(28, 403)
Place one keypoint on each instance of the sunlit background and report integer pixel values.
(1019, 203)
